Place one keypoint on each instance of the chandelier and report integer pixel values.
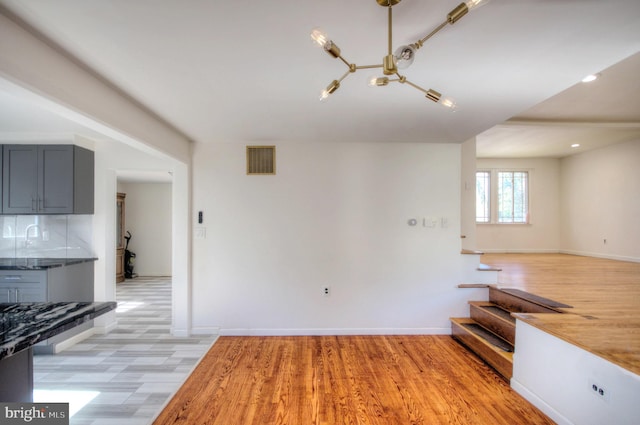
(393, 62)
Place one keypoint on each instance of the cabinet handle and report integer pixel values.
(9, 295)
(17, 295)
(33, 204)
(13, 277)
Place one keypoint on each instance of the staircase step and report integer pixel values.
(535, 298)
(475, 285)
(494, 318)
(488, 268)
(471, 252)
(518, 301)
(488, 346)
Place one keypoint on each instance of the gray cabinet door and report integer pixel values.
(23, 286)
(20, 179)
(47, 179)
(55, 179)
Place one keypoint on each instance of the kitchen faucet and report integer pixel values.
(28, 242)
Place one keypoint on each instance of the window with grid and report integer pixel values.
(483, 196)
(502, 196)
(513, 197)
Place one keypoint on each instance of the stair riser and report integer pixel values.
(498, 362)
(496, 325)
(515, 304)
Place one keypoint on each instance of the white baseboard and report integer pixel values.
(556, 416)
(105, 329)
(600, 255)
(181, 333)
(562, 251)
(70, 342)
(206, 330)
(334, 331)
(519, 251)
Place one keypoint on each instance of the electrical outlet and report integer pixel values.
(599, 391)
(326, 291)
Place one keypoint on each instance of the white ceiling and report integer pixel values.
(247, 71)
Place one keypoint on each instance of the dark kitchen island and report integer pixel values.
(22, 325)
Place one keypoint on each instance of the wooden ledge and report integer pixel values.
(476, 285)
(471, 252)
(488, 268)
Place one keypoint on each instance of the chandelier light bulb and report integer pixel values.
(319, 37)
(448, 103)
(377, 81)
(324, 95)
(404, 56)
(474, 4)
(333, 86)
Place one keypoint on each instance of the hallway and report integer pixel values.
(127, 376)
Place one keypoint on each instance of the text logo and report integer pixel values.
(34, 413)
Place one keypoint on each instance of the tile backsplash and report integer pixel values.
(46, 236)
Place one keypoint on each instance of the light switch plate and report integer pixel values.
(200, 233)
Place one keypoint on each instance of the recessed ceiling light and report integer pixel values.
(575, 145)
(590, 78)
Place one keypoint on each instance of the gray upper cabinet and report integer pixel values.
(47, 179)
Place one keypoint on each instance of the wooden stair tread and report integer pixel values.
(471, 252)
(488, 268)
(545, 302)
(469, 333)
(475, 285)
(495, 310)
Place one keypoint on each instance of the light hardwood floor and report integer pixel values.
(604, 295)
(339, 380)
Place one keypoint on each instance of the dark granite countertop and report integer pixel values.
(24, 324)
(39, 263)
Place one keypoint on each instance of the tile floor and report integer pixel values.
(127, 376)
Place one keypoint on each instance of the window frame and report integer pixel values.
(487, 205)
(494, 198)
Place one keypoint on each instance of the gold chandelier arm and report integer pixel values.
(344, 60)
(367, 66)
(452, 17)
(415, 86)
(344, 75)
(418, 44)
(390, 26)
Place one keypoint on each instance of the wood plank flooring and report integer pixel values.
(336, 380)
(605, 295)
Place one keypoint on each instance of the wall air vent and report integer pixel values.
(261, 160)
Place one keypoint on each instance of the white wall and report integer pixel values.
(543, 232)
(336, 214)
(557, 377)
(148, 218)
(601, 200)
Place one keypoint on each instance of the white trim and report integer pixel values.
(70, 342)
(334, 331)
(539, 403)
(180, 333)
(598, 255)
(520, 251)
(206, 330)
(105, 329)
